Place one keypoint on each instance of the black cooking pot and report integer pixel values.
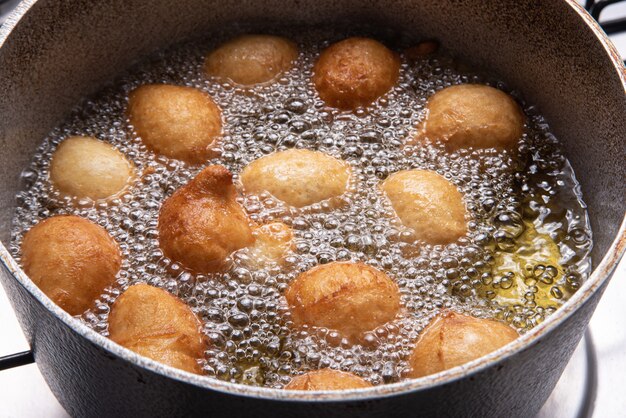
(55, 52)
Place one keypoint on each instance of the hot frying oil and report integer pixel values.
(526, 252)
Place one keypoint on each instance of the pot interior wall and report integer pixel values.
(63, 51)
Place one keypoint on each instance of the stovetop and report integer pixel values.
(591, 386)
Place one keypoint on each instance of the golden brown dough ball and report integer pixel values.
(421, 50)
(71, 260)
(158, 325)
(201, 224)
(453, 339)
(84, 167)
(428, 204)
(272, 242)
(178, 122)
(348, 297)
(297, 177)
(472, 115)
(327, 379)
(252, 59)
(355, 72)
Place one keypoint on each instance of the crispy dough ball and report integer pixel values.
(428, 204)
(84, 167)
(183, 123)
(422, 50)
(201, 224)
(453, 339)
(472, 115)
(351, 298)
(71, 260)
(252, 59)
(272, 242)
(297, 177)
(157, 325)
(355, 72)
(327, 379)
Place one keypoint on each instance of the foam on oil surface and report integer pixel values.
(243, 310)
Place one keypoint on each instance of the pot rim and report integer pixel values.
(598, 277)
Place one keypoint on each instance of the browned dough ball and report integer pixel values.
(472, 115)
(297, 177)
(252, 59)
(355, 72)
(453, 339)
(351, 298)
(421, 50)
(327, 379)
(178, 122)
(71, 260)
(271, 242)
(158, 325)
(202, 224)
(83, 167)
(428, 204)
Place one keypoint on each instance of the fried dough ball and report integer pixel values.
(327, 379)
(428, 204)
(178, 122)
(453, 339)
(355, 72)
(297, 177)
(252, 59)
(71, 260)
(351, 298)
(157, 325)
(272, 242)
(472, 115)
(201, 224)
(422, 49)
(84, 167)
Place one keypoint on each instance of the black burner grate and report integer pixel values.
(595, 8)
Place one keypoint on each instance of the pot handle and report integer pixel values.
(16, 360)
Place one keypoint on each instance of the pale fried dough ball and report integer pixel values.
(252, 59)
(472, 115)
(201, 224)
(428, 204)
(327, 379)
(272, 242)
(297, 177)
(453, 339)
(355, 72)
(71, 260)
(84, 167)
(178, 122)
(157, 325)
(348, 297)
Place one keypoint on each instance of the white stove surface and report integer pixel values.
(24, 393)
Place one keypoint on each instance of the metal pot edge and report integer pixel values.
(597, 279)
